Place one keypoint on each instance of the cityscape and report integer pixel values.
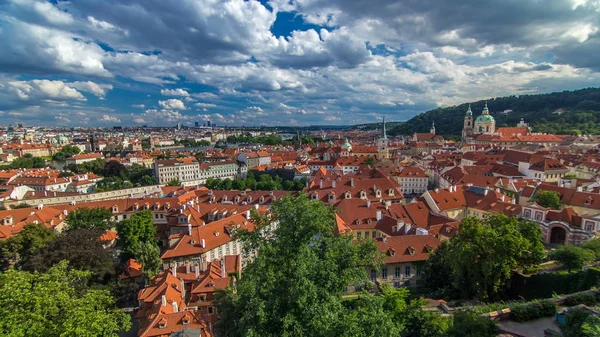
(299, 168)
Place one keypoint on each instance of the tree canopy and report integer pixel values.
(55, 304)
(549, 199)
(139, 228)
(481, 257)
(293, 286)
(90, 218)
(17, 249)
(572, 257)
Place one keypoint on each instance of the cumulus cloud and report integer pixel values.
(109, 119)
(42, 89)
(172, 104)
(174, 92)
(96, 89)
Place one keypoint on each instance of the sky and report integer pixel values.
(97, 63)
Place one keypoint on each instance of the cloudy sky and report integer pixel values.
(282, 62)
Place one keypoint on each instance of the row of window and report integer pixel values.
(397, 273)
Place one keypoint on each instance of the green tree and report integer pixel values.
(572, 257)
(580, 322)
(549, 199)
(138, 228)
(148, 255)
(593, 245)
(174, 182)
(369, 161)
(470, 324)
(82, 249)
(437, 272)
(55, 304)
(90, 218)
(19, 248)
(485, 252)
(293, 286)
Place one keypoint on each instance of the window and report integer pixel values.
(589, 226)
(359, 235)
(373, 235)
(212, 254)
(527, 214)
(418, 271)
(373, 275)
(538, 216)
(397, 272)
(407, 271)
(384, 273)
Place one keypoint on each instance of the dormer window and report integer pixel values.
(347, 195)
(236, 199)
(588, 201)
(162, 323)
(378, 193)
(363, 194)
(261, 199)
(136, 207)
(185, 320)
(391, 252)
(315, 196)
(115, 209)
(212, 199)
(183, 219)
(410, 250)
(249, 199)
(331, 197)
(156, 207)
(391, 192)
(166, 208)
(146, 206)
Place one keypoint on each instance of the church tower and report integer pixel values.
(382, 143)
(467, 130)
(432, 130)
(485, 124)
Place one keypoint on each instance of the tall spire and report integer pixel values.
(469, 112)
(383, 133)
(485, 111)
(432, 130)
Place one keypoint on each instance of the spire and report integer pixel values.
(383, 133)
(432, 128)
(485, 109)
(469, 112)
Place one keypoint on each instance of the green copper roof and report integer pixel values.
(485, 118)
(346, 143)
(469, 112)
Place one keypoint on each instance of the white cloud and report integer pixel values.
(139, 106)
(40, 89)
(174, 92)
(109, 119)
(96, 89)
(205, 105)
(172, 104)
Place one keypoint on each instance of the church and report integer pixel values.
(484, 124)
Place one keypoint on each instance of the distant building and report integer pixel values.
(485, 124)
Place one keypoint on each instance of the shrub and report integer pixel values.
(531, 311)
(590, 298)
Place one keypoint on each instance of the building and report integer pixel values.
(186, 170)
(485, 124)
(83, 158)
(404, 256)
(467, 131)
(412, 180)
(382, 144)
(563, 226)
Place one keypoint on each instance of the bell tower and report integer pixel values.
(467, 130)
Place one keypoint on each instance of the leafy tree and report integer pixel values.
(294, 284)
(593, 245)
(66, 152)
(369, 161)
(174, 182)
(138, 228)
(55, 304)
(469, 324)
(21, 205)
(115, 169)
(86, 218)
(83, 250)
(19, 248)
(580, 322)
(148, 255)
(484, 253)
(549, 199)
(27, 162)
(437, 272)
(572, 257)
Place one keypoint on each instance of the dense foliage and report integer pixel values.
(265, 140)
(470, 324)
(581, 116)
(137, 238)
(265, 182)
(116, 175)
(572, 257)
(534, 310)
(19, 248)
(89, 218)
(26, 162)
(480, 258)
(580, 322)
(66, 152)
(548, 199)
(56, 303)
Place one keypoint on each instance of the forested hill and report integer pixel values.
(581, 114)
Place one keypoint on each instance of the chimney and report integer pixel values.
(190, 229)
(321, 184)
(204, 265)
(175, 307)
(197, 270)
(579, 188)
(436, 190)
(333, 183)
(408, 227)
(248, 215)
(182, 285)
(256, 207)
(163, 300)
(368, 203)
(187, 268)
(485, 191)
(203, 243)
(352, 182)
(223, 269)
(174, 270)
(379, 215)
(502, 198)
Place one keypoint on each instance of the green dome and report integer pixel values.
(485, 118)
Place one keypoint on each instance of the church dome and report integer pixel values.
(485, 118)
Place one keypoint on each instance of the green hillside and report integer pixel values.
(581, 114)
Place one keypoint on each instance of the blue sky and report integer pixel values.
(283, 62)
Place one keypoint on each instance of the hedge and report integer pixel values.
(590, 299)
(547, 284)
(531, 311)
